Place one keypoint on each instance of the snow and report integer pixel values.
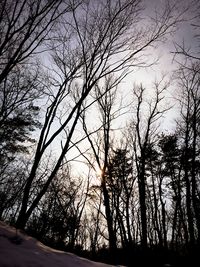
(24, 251)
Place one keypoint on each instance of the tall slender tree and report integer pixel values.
(143, 132)
(87, 48)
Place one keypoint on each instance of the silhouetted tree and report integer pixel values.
(25, 26)
(120, 183)
(188, 77)
(57, 220)
(172, 179)
(105, 96)
(83, 52)
(143, 132)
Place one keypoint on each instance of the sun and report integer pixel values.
(99, 172)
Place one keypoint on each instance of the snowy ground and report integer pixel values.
(24, 251)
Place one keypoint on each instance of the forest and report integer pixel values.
(96, 159)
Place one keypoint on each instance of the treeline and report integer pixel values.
(138, 198)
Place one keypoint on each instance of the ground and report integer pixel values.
(19, 250)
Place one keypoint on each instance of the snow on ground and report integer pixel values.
(20, 250)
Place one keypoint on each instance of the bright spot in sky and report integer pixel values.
(99, 172)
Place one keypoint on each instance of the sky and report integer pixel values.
(146, 76)
(167, 61)
(165, 66)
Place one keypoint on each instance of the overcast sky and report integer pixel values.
(185, 32)
(146, 76)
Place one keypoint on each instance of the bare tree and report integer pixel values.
(25, 25)
(57, 219)
(188, 81)
(95, 40)
(101, 148)
(189, 50)
(143, 133)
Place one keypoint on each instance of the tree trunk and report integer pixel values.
(109, 218)
(142, 199)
